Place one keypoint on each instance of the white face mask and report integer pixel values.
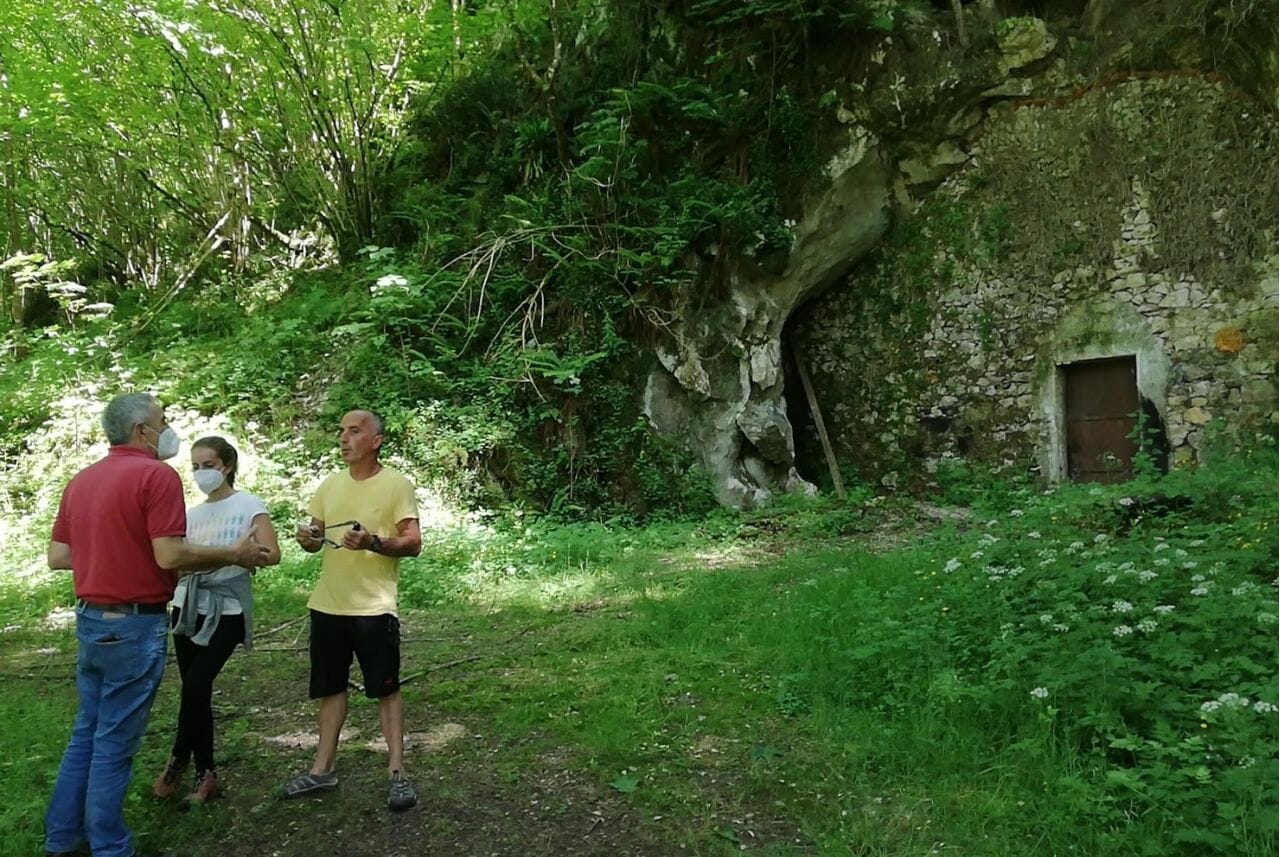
(167, 444)
(209, 481)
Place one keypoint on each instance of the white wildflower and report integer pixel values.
(1125, 501)
(1122, 630)
(1179, 552)
(1264, 707)
(1147, 576)
(1197, 578)
(1161, 561)
(1046, 618)
(1146, 626)
(1244, 588)
(1200, 590)
(1040, 693)
(1211, 705)
(1191, 563)
(952, 565)
(1061, 628)
(1099, 538)
(1016, 513)
(987, 540)
(976, 555)
(1109, 579)
(1234, 700)
(1163, 608)
(1121, 607)
(1161, 547)
(1034, 534)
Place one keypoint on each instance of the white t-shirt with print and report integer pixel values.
(220, 523)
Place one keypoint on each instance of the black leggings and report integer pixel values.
(199, 666)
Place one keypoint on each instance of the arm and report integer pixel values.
(406, 542)
(59, 555)
(175, 553)
(267, 538)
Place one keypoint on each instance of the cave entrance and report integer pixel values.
(812, 453)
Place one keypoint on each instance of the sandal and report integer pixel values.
(308, 783)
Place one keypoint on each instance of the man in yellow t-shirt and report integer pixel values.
(353, 607)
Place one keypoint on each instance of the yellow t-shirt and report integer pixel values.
(360, 582)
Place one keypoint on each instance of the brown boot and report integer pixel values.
(166, 785)
(206, 788)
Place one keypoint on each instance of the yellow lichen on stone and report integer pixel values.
(1229, 340)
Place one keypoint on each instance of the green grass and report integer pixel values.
(764, 680)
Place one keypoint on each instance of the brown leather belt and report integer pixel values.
(123, 608)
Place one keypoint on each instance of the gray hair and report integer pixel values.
(123, 413)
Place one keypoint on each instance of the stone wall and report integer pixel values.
(1136, 219)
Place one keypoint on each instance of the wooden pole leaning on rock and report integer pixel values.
(818, 422)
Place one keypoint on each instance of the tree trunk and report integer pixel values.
(17, 297)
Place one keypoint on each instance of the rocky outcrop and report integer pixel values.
(719, 387)
(911, 133)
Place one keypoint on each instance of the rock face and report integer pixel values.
(1048, 230)
(954, 344)
(720, 388)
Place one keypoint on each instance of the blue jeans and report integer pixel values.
(119, 669)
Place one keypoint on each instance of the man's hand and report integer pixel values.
(310, 537)
(357, 538)
(250, 554)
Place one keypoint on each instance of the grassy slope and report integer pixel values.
(766, 681)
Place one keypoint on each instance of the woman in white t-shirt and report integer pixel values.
(212, 612)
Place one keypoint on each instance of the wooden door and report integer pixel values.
(1101, 409)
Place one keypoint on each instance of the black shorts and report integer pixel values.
(375, 642)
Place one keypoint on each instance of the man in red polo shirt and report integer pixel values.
(121, 529)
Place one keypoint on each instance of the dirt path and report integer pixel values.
(472, 799)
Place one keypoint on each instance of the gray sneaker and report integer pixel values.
(308, 783)
(401, 794)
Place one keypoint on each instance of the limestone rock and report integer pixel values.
(1022, 42)
(728, 407)
(935, 165)
(765, 424)
(1197, 416)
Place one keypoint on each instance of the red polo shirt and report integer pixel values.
(109, 513)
